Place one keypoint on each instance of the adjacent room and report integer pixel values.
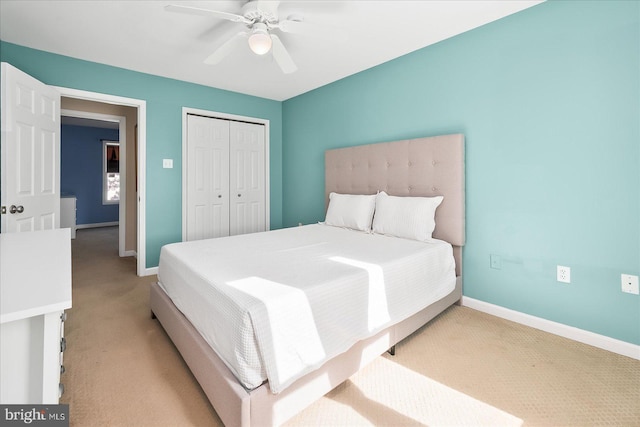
(323, 212)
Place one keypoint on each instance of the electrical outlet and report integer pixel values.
(630, 284)
(563, 274)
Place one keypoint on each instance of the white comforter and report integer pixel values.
(277, 305)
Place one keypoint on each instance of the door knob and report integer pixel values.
(16, 209)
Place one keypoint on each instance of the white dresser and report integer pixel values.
(35, 289)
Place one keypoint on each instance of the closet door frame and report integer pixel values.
(224, 116)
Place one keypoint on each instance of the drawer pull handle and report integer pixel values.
(63, 344)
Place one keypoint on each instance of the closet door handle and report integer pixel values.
(239, 195)
(219, 196)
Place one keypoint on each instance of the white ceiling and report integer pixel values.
(142, 36)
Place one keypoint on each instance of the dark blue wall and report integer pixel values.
(81, 172)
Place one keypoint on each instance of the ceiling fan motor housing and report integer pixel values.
(252, 12)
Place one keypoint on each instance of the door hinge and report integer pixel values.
(3, 211)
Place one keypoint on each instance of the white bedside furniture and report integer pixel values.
(35, 289)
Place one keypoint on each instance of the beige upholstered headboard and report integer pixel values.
(431, 166)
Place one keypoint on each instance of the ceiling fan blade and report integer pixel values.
(313, 30)
(281, 56)
(206, 12)
(226, 48)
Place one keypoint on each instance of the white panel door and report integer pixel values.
(30, 153)
(207, 178)
(247, 178)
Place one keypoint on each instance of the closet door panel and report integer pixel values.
(247, 142)
(207, 177)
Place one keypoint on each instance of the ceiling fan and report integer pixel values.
(260, 17)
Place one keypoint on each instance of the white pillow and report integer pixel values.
(351, 211)
(407, 217)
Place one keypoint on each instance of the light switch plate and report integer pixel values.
(167, 163)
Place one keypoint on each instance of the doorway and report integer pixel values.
(131, 116)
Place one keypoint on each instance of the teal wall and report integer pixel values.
(548, 100)
(164, 99)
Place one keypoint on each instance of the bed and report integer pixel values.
(259, 388)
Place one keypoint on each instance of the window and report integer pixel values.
(111, 172)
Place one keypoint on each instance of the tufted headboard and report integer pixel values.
(431, 166)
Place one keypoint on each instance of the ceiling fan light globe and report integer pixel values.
(260, 42)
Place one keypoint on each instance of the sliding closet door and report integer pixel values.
(207, 177)
(247, 178)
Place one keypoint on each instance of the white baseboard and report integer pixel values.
(96, 225)
(150, 271)
(130, 253)
(606, 343)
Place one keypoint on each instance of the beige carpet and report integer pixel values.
(465, 368)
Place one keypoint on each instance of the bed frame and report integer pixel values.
(418, 167)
